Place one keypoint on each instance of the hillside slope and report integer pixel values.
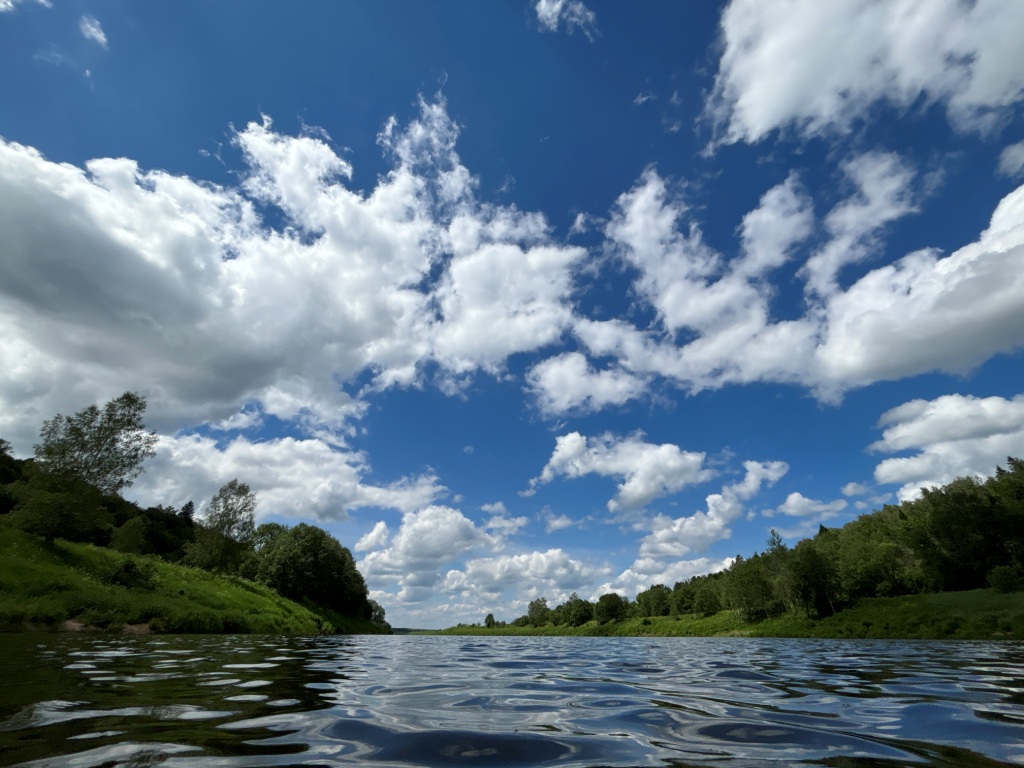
(67, 585)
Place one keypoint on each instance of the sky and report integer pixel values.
(522, 298)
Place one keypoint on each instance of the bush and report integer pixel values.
(1005, 579)
(131, 575)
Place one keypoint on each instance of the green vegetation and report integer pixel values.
(981, 614)
(919, 569)
(43, 585)
(74, 553)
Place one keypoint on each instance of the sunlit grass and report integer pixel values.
(43, 585)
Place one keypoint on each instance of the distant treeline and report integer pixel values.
(965, 535)
(71, 489)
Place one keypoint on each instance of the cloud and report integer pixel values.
(644, 97)
(798, 505)
(949, 437)
(675, 538)
(552, 574)
(931, 312)
(1011, 160)
(883, 184)
(9, 5)
(90, 28)
(782, 220)
(553, 522)
(374, 539)
(923, 312)
(856, 53)
(855, 489)
(573, 13)
(569, 383)
(118, 278)
(717, 308)
(648, 471)
(184, 290)
(500, 522)
(426, 541)
(810, 514)
(487, 313)
(295, 478)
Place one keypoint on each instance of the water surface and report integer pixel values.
(226, 701)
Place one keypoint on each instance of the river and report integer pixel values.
(88, 701)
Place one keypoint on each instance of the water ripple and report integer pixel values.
(440, 701)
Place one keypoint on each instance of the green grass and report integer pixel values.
(981, 614)
(42, 585)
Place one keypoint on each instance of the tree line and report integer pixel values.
(968, 534)
(71, 489)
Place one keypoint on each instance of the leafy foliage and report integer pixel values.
(104, 448)
(307, 563)
(538, 613)
(223, 541)
(610, 607)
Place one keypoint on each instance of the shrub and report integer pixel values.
(1005, 578)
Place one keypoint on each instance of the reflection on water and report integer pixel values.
(230, 701)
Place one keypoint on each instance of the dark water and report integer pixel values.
(448, 701)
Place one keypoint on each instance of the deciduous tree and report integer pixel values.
(102, 447)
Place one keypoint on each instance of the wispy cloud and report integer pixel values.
(91, 30)
(9, 5)
(572, 13)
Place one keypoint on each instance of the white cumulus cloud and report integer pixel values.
(376, 538)
(569, 383)
(648, 471)
(677, 537)
(818, 68)
(948, 437)
(552, 574)
(296, 478)
(427, 540)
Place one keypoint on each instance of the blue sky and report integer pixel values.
(522, 298)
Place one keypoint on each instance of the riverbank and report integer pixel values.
(63, 586)
(981, 614)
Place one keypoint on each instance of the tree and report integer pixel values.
(748, 589)
(377, 616)
(188, 511)
(683, 594)
(707, 601)
(104, 448)
(577, 611)
(306, 563)
(538, 611)
(610, 607)
(60, 507)
(656, 601)
(224, 540)
(232, 511)
(266, 534)
(812, 580)
(489, 621)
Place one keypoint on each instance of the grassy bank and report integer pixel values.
(981, 614)
(47, 586)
